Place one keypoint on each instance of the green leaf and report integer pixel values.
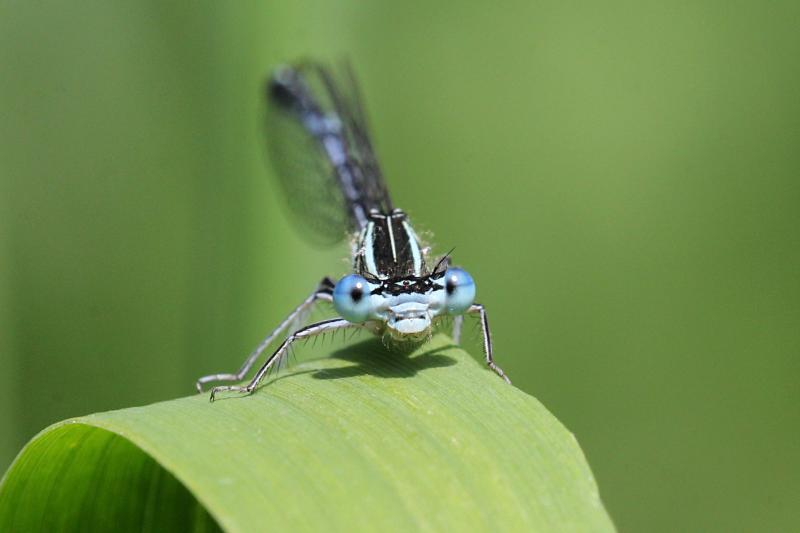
(364, 440)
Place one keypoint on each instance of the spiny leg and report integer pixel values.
(323, 291)
(458, 322)
(313, 330)
(487, 340)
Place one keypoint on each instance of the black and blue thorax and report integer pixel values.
(387, 248)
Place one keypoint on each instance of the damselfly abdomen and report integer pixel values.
(320, 146)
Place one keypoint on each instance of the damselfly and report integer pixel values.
(319, 143)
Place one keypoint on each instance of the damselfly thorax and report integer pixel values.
(322, 153)
(403, 297)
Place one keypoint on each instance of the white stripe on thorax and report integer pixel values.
(369, 250)
(391, 237)
(415, 251)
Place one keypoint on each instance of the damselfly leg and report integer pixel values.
(478, 309)
(323, 292)
(458, 323)
(313, 330)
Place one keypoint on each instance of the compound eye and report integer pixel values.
(460, 290)
(351, 298)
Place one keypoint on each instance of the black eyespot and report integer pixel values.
(356, 293)
(450, 287)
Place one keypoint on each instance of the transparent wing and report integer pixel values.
(318, 142)
(344, 87)
(314, 198)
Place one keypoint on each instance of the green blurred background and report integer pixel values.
(621, 180)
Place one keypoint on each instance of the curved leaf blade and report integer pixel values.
(343, 443)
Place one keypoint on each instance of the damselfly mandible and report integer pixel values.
(319, 143)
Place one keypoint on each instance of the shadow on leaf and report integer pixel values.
(373, 358)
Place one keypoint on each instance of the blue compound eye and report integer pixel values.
(351, 298)
(460, 290)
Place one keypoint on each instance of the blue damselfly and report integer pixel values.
(319, 143)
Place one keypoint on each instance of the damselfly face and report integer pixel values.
(393, 288)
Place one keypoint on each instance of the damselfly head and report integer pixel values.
(407, 306)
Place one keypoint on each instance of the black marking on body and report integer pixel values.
(390, 247)
(408, 285)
